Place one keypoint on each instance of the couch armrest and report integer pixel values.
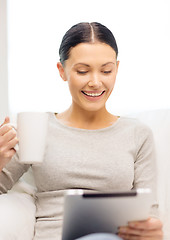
(17, 216)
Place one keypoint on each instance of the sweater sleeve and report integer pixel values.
(145, 170)
(11, 173)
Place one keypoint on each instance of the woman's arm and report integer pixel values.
(145, 168)
(11, 173)
(145, 174)
(10, 169)
(8, 140)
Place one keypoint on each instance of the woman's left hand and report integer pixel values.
(150, 229)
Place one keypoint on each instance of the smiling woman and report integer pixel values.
(87, 146)
(88, 61)
(91, 73)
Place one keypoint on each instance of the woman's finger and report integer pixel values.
(7, 120)
(140, 232)
(11, 134)
(7, 155)
(150, 224)
(132, 237)
(8, 151)
(11, 144)
(4, 129)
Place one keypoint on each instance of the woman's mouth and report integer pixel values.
(93, 95)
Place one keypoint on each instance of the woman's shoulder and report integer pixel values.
(136, 124)
(132, 121)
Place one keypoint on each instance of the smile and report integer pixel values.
(93, 94)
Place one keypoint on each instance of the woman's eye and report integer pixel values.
(82, 72)
(107, 72)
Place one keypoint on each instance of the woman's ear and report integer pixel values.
(61, 71)
(117, 65)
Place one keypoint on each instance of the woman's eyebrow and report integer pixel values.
(86, 65)
(108, 63)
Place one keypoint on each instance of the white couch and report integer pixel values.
(17, 209)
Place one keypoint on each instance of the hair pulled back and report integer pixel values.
(85, 33)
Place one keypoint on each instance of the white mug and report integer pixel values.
(32, 132)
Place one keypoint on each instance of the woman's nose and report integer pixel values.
(95, 81)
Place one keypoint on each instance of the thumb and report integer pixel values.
(7, 120)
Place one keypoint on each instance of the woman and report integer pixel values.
(87, 147)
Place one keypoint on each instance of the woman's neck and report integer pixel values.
(81, 118)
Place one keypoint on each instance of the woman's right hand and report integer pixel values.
(8, 140)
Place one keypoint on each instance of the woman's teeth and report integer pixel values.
(93, 94)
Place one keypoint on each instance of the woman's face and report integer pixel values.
(91, 73)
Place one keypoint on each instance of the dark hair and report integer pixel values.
(85, 33)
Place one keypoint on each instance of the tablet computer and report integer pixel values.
(87, 212)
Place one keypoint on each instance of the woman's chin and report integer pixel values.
(92, 107)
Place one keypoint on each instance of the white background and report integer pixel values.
(142, 31)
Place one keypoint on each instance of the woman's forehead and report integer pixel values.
(87, 52)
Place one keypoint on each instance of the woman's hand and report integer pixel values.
(8, 140)
(150, 229)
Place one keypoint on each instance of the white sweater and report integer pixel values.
(118, 157)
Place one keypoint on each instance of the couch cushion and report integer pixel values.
(17, 216)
